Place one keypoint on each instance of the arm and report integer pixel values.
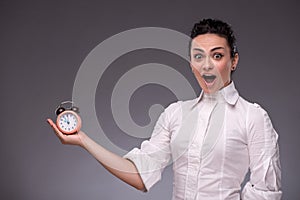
(155, 154)
(116, 165)
(265, 179)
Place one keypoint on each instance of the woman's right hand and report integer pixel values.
(74, 139)
(118, 166)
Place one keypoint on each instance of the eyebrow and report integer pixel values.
(214, 49)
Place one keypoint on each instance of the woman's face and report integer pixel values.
(211, 62)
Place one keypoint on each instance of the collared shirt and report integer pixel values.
(212, 141)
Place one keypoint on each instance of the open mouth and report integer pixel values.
(209, 78)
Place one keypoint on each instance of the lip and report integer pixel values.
(209, 79)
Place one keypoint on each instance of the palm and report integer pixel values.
(73, 139)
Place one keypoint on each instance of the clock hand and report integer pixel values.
(68, 121)
(65, 119)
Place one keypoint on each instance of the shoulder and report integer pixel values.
(178, 105)
(259, 124)
(252, 108)
(256, 112)
(257, 121)
(176, 109)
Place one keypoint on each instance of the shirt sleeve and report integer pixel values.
(154, 154)
(265, 178)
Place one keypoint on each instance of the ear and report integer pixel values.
(235, 61)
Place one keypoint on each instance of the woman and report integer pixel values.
(212, 140)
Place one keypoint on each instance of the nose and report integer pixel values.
(207, 64)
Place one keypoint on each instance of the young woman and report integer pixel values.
(212, 140)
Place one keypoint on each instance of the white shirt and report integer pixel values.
(212, 141)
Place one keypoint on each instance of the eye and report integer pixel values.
(198, 56)
(217, 56)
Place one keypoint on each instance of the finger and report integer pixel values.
(53, 125)
(50, 122)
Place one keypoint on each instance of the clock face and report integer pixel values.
(68, 122)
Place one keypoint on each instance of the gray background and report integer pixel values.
(43, 43)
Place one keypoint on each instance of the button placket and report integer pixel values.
(194, 153)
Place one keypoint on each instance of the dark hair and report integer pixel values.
(217, 27)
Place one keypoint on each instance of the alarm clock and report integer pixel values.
(68, 121)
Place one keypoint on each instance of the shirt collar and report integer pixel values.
(229, 93)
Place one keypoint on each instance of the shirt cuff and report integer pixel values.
(148, 168)
(250, 193)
